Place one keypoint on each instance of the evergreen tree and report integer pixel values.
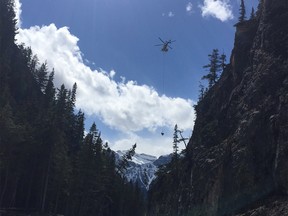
(42, 76)
(168, 177)
(217, 65)
(214, 67)
(223, 61)
(7, 28)
(88, 172)
(202, 91)
(31, 60)
(78, 132)
(252, 15)
(259, 8)
(175, 143)
(50, 92)
(242, 12)
(122, 166)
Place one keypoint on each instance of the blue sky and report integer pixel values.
(126, 84)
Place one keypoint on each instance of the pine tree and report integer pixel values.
(214, 67)
(50, 92)
(87, 174)
(72, 97)
(223, 61)
(42, 76)
(78, 132)
(31, 60)
(7, 27)
(242, 12)
(202, 91)
(122, 166)
(175, 143)
(259, 9)
(252, 15)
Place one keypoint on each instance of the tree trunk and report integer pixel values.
(46, 184)
(5, 186)
(57, 200)
(27, 202)
(15, 187)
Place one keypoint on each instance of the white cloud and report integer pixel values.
(171, 14)
(18, 11)
(189, 8)
(160, 145)
(112, 74)
(220, 9)
(125, 106)
(155, 144)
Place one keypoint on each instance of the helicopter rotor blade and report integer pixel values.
(170, 47)
(161, 40)
(158, 45)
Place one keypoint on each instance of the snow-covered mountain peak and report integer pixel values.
(142, 168)
(139, 158)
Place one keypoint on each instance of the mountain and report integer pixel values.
(236, 160)
(142, 168)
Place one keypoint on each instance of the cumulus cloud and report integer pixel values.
(220, 9)
(124, 105)
(189, 8)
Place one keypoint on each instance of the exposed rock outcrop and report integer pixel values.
(238, 154)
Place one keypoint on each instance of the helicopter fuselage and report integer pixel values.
(165, 45)
(164, 48)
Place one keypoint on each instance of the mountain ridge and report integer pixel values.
(142, 168)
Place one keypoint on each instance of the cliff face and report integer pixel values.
(239, 149)
(239, 145)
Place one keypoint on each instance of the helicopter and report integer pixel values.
(165, 45)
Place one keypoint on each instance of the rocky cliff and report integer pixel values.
(238, 155)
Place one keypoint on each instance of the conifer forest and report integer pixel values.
(47, 165)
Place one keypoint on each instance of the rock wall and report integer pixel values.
(239, 149)
(242, 125)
